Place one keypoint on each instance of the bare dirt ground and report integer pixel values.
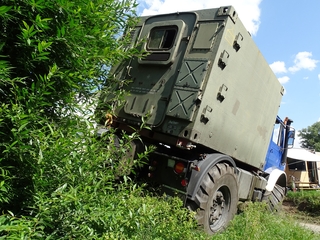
(313, 227)
(307, 220)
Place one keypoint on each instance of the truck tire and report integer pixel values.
(217, 198)
(274, 198)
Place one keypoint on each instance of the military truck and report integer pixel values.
(209, 101)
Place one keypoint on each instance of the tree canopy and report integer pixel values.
(310, 137)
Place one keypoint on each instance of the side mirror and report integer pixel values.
(291, 136)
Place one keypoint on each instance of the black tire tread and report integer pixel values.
(274, 198)
(207, 186)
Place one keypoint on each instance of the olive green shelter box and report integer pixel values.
(204, 81)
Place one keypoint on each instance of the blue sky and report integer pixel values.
(289, 38)
(287, 34)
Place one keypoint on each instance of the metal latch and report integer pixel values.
(204, 118)
(222, 93)
(223, 60)
(237, 42)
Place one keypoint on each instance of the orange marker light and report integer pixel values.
(179, 167)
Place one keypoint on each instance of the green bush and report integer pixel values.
(306, 200)
(54, 56)
(73, 181)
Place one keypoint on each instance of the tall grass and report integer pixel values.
(256, 223)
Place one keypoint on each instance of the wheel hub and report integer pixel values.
(217, 208)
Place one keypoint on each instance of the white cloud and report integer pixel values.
(248, 10)
(306, 78)
(319, 76)
(303, 60)
(284, 79)
(278, 67)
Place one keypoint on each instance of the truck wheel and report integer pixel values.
(274, 198)
(217, 198)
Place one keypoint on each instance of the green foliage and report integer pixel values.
(54, 55)
(20, 228)
(306, 200)
(257, 223)
(310, 137)
(116, 216)
(73, 182)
